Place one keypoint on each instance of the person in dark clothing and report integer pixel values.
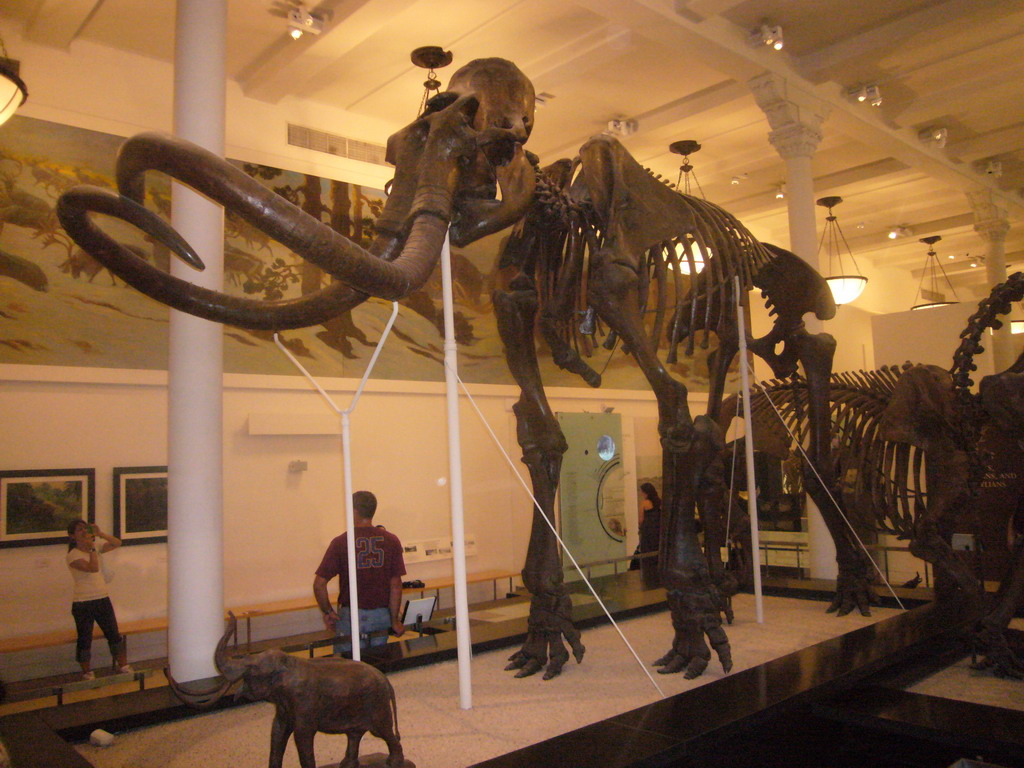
(379, 570)
(650, 531)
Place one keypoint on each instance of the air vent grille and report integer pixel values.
(332, 144)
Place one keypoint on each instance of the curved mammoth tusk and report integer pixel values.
(284, 222)
(197, 699)
(361, 272)
(73, 210)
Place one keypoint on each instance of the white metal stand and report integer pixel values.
(346, 453)
(748, 430)
(451, 387)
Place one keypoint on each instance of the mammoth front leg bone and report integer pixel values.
(543, 445)
(855, 570)
(687, 449)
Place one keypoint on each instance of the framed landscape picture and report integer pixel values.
(36, 505)
(140, 504)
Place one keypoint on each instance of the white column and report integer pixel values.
(991, 222)
(796, 118)
(195, 537)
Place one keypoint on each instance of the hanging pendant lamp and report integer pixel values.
(845, 286)
(12, 88)
(931, 296)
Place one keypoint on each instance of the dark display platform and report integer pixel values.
(837, 703)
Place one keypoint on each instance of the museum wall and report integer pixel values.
(276, 522)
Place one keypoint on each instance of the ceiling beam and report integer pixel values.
(707, 8)
(723, 46)
(957, 96)
(872, 41)
(56, 23)
(989, 144)
(283, 69)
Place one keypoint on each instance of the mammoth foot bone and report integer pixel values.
(854, 589)
(550, 620)
(997, 655)
(693, 617)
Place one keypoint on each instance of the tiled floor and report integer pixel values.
(506, 713)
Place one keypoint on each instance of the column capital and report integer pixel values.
(795, 116)
(795, 140)
(991, 220)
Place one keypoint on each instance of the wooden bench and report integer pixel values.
(247, 612)
(65, 636)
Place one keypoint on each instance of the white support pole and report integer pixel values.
(346, 462)
(748, 442)
(465, 646)
(195, 445)
(350, 526)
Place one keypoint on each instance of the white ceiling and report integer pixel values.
(680, 68)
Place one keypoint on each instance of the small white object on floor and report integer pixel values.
(89, 675)
(101, 738)
(126, 669)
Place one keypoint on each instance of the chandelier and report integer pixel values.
(845, 287)
(12, 89)
(931, 296)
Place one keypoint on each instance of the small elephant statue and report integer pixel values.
(327, 695)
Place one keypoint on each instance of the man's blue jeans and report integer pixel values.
(370, 620)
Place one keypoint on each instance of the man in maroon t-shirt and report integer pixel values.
(379, 570)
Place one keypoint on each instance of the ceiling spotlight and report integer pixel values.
(900, 231)
(780, 192)
(935, 136)
(994, 168)
(734, 180)
(301, 21)
(872, 95)
(767, 34)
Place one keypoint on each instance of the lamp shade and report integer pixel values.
(12, 90)
(846, 288)
(1017, 326)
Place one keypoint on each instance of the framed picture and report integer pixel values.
(36, 505)
(140, 504)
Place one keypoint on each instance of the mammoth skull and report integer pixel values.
(449, 164)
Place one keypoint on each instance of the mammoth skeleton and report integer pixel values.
(596, 237)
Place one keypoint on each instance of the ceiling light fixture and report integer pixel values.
(994, 168)
(12, 89)
(934, 136)
(430, 57)
(845, 287)
(900, 231)
(780, 191)
(686, 147)
(767, 34)
(301, 21)
(932, 297)
(869, 93)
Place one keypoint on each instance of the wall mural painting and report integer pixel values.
(58, 306)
